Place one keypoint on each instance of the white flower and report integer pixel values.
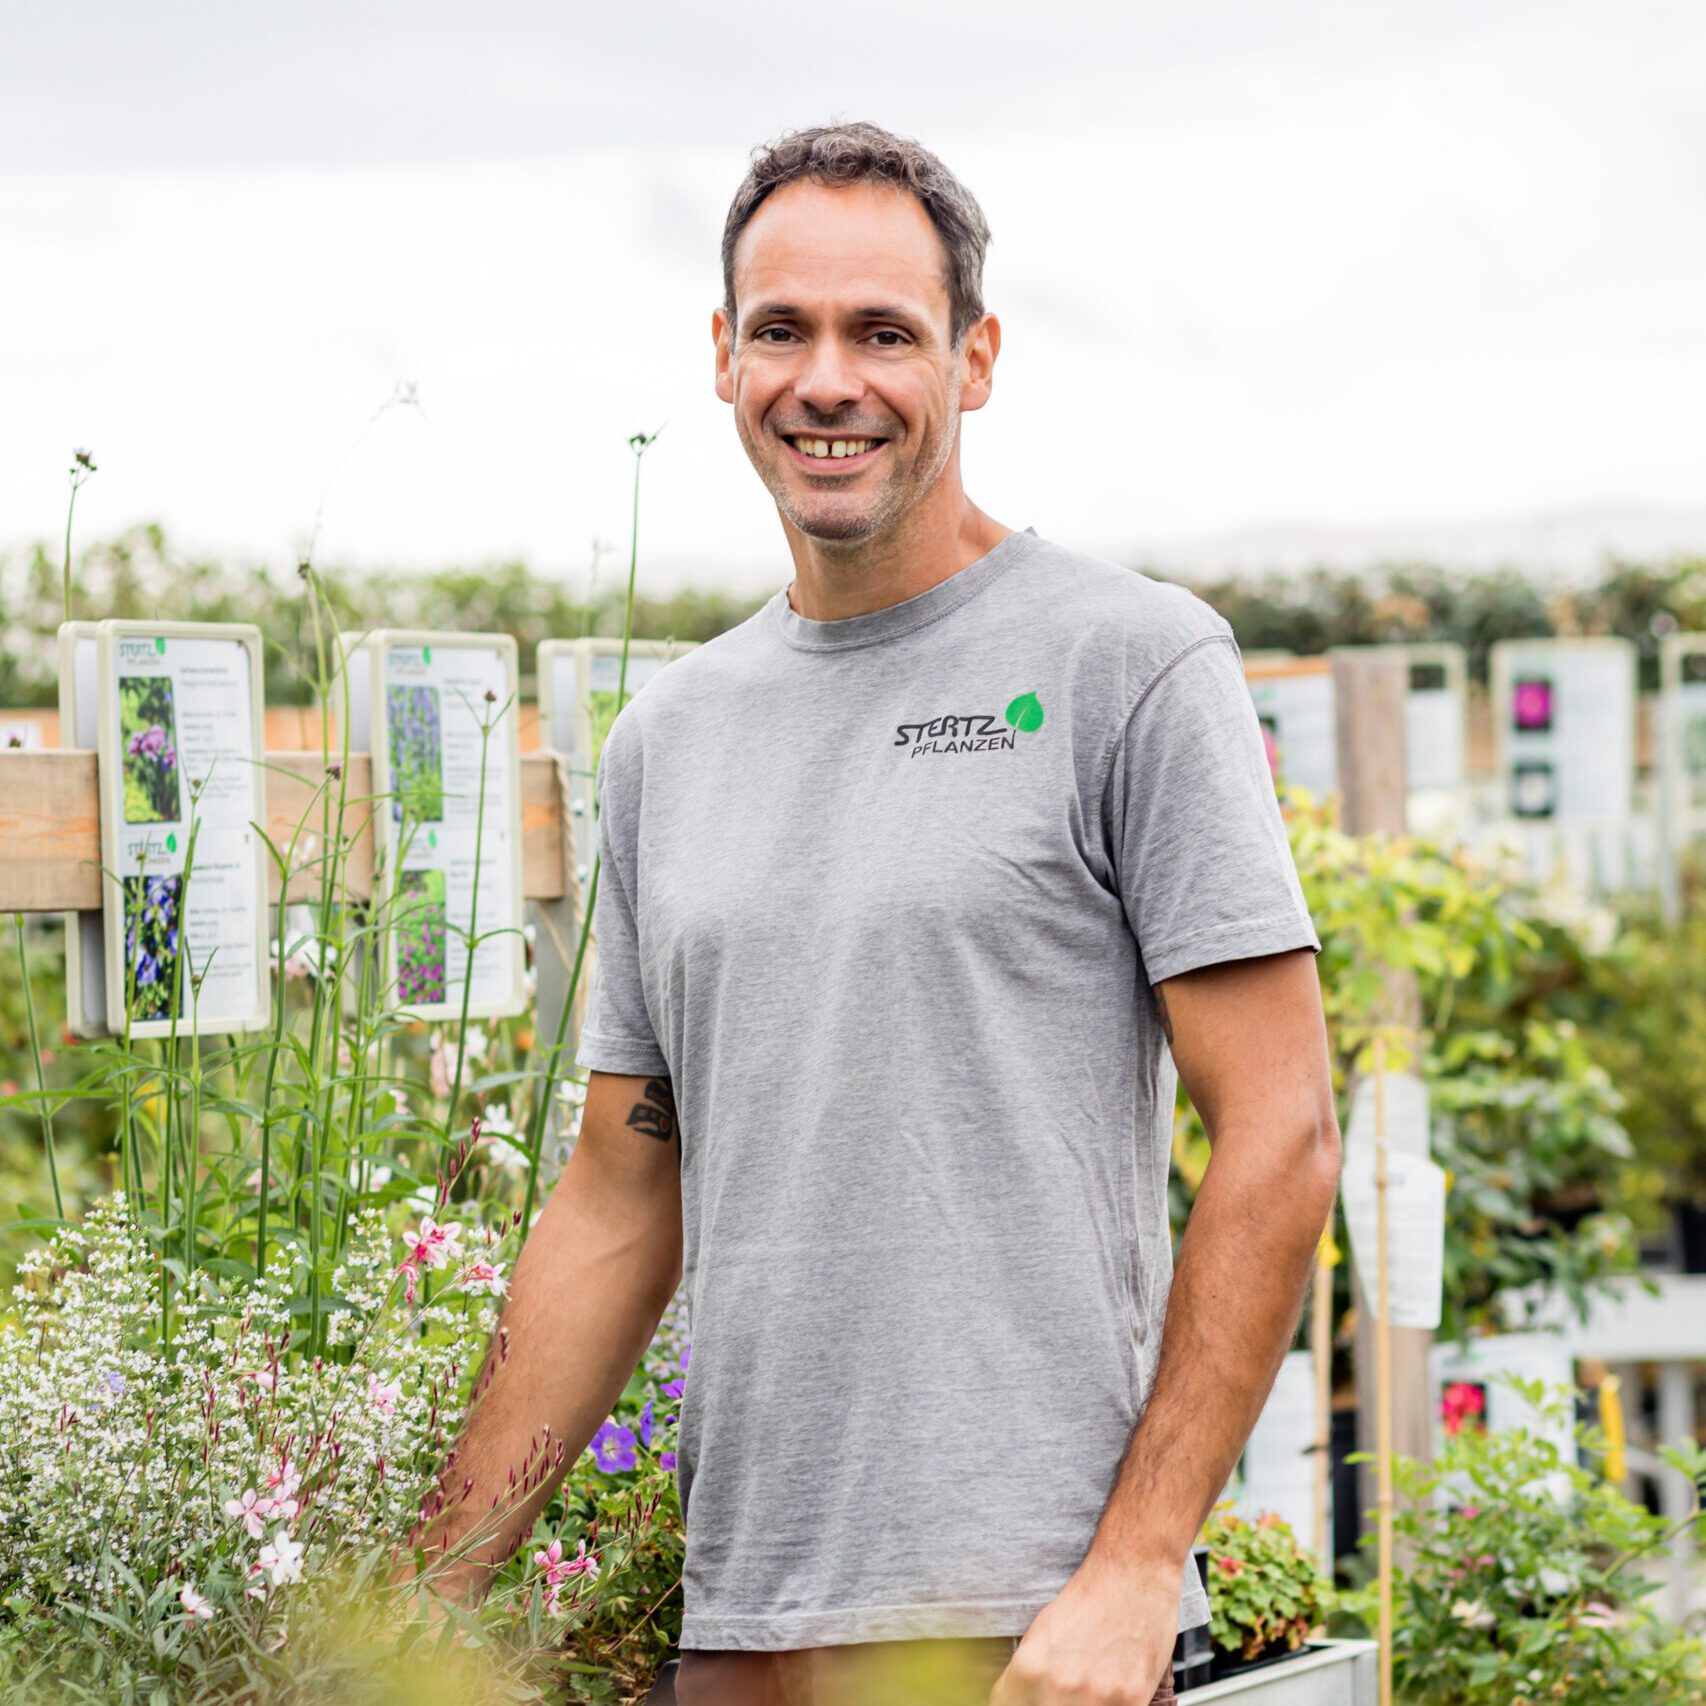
(1472, 1613)
(194, 1603)
(281, 1558)
(1555, 1582)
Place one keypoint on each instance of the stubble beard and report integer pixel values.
(835, 524)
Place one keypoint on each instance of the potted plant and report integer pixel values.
(1265, 1591)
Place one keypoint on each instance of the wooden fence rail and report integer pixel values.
(50, 828)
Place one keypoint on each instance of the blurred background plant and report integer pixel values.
(1521, 1573)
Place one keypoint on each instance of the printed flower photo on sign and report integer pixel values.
(151, 768)
(423, 934)
(152, 907)
(417, 753)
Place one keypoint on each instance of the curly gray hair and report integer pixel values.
(868, 154)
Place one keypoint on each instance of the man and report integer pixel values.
(909, 885)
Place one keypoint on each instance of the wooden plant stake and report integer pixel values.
(1321, 1348)
(1383, 1373)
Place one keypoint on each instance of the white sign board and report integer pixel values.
(180, 741)
(577, 688)
(1436, 719)
(1279, 1457)
(446, 751)
(20, 734)
(85, 932)
(1564, 727)
(1295, 705)
(1682, 733)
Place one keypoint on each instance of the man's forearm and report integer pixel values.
(1243, 1267)
(588, 1290)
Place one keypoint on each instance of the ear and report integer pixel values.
(977, 362)
(723, 333)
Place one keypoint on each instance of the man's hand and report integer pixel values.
(1106, 1638)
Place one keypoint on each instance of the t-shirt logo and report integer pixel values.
(975, 733)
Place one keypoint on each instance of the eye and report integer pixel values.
(762, 335)
(897, 340)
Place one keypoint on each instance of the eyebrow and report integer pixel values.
(881, 311)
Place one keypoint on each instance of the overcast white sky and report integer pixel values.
(1325, 264)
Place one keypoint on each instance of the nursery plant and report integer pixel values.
(1526, 1575)
(1266, 1593)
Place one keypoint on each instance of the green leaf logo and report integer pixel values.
(432, 838)
(1026, 713)
(426, 654)
(171, 842)
(160, 644)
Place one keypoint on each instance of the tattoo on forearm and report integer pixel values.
(654, 1113)
(1166, 1017)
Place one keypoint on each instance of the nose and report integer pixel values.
(829, 379)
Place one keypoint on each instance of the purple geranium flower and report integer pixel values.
(671, 1389)
(646, 1425)
(613, 1448)
(667, 1459)
(686, 1355)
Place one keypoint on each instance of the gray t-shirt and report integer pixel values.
(884, 897)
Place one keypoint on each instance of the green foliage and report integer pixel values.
(1646, 1000)
(1264, 1589)
(1523, 1579)
(1525, 1118)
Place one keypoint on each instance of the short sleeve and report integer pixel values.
(618, 1035)
(1202, 858)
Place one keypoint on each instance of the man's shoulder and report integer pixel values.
(1111, 617)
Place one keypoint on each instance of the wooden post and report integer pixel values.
(1383, 1371)
(1370, 688)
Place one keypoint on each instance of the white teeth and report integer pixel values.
(833, 447)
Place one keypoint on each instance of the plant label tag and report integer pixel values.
(1406, 1115)
(1415, 1225)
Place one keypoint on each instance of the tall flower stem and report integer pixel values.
(35, 1055)
(640, 443)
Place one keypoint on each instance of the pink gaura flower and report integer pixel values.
(432, 1244)
(559, 1569)
(252, 1511)
(383, 1394)
(483, 1276)
(194, 1603)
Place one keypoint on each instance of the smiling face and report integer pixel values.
(847, 388)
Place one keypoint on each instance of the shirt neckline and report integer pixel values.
(806, 634)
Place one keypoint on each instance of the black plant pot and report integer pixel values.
(1230, 1664)
(663, 1689)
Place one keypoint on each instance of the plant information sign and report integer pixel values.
(180, 740)
(1682, 702)
(1564, 721)
(1296, 706)
(577, 689)
(447, 775)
